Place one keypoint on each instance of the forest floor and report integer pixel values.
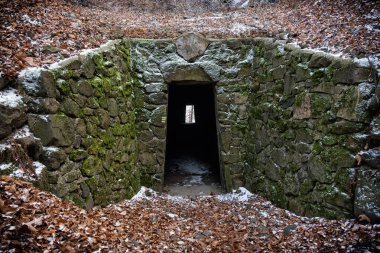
(40, 32)
(36, 221)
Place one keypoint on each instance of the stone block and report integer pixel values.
(152, 77)
(348, 103)
(371, 157)
(320, 60)
(318, 170)
(272, 171)
(38, 82)
(71, 108)
(278, 73)
(302, 107)
(56, 130)
(85, 88)
(12, 111)
(88, 67)
(147, 159)
(336, 197)
(113, 107)
(349, 74)
(320, 104)
(53, 157)
(200, 72)
(345, 127)
(154, 87)
(48, 84)
(191, 46)
(302, 73)
(158, 116)
(367, 194)
(157, 98)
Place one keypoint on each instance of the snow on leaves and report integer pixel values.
(32, 220)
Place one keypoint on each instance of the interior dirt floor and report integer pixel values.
(190, 176)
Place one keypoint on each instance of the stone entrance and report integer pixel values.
(192, 150)
(291, 122)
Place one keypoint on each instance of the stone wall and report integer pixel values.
(225, 64)
(308, 119)
(83, 110)
(297, 126)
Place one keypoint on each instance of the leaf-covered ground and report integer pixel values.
(38, 32)
(36, 221)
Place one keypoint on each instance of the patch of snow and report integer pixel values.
(264, 214)
(144, 193)
(240, 195)
(205, 18)
(4, 147)
(240, 3)
(23, 132)
(50, 149)
(44, 117)
(245, 4)
(329, 51)
(374, 14)
(281, 48)
(250, 54)
(7, 166)
(375, 60)
(29, 20)
(38, 167)
(366, 89)
(10, 98)
(172, 215)
(362, 62)
(296, 44)
(87, 51)
(360, 136)
(369, 28)
(21, 174)
(176, 199)
(29, 79)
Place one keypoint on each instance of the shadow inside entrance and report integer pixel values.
(192, 156)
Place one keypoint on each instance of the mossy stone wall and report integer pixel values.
(290, 122)
(307, 119)
(86, 123)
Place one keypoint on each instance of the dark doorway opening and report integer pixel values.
(192, 152)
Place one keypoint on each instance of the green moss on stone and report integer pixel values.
(92, 166)
(320, 103)
(277, 195)
(318, 74)
(63, 87)
(337, 157)
(316, 148)
(330, 140)
(76, 199)
(306, 187)
(108, 139)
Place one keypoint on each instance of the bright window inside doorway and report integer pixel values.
(190, 114)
